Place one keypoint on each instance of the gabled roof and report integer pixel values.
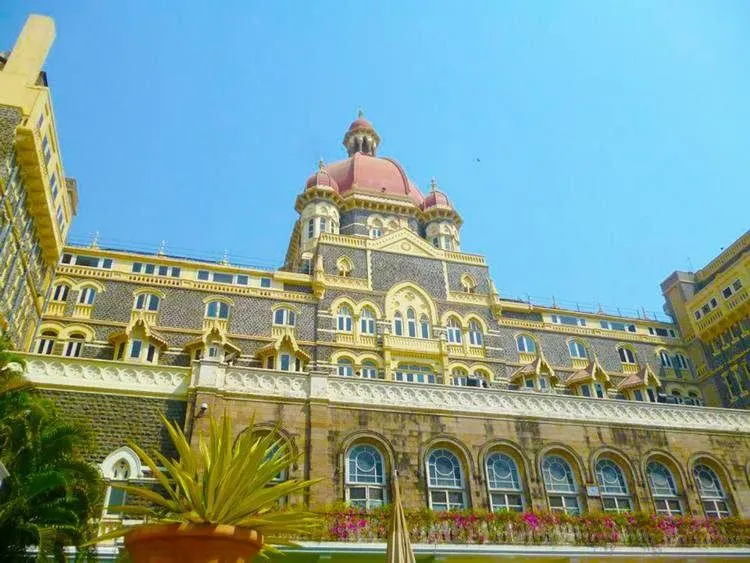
(642, 378)
(134, 325)
(289, 340)
(592, 372)
(219, 335)
(538, 367)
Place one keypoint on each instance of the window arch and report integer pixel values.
(344, 319)
(445, 481)
(46, 342)
(365, 477)
(284, 316)
(711, 491)
(146, 302)
(344, 266)
(453, 330)
(345, 367)
(503, 483)
(86, 295)
(664, 490)
(525, 344)
(424, 327)
(468, 285)
(665, 359)
(577, 349)
(60, 292)
(681, 361)
(376, 228)
(627, 356)
(411, 323)
(459, 376)
(613, 487)
(369, 369)
(120, 471)
(74, 345)
(398, 324)
(561, 485)
(217, 310)
(367, 321)
(476, 335)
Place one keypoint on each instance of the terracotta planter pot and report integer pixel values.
(190, 543)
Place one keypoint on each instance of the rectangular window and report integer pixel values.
(53, 186)
(120, 351)
(638, 395)
(60, 218)
(567, 320)
(46, 150)
(175, 272)
(713, 303)
(529, 383)
(88, 261)
(737, 285)
(585, 391)
(242, 280)
(223, 278)
(727, 292)
(163, 270)
(265, 282)
(107, 263)
(149, 269)
(599, 390)
(269, 362)
(135, 349)
(67, 258)
(137, 267)
(203, 275)
(150, 353)
(284, 362)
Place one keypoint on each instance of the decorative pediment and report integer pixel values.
(405, 241)
(214, 334)
(288, 341)
(645, 377)
(593, 372)
(539, 366)
(136, 325)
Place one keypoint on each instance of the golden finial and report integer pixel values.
(360, 113)
(321, 164)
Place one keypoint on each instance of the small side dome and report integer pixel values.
(436, 198)
(321, 178)
(360, 123)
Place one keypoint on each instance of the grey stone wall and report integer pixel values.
(480, 274)
(114, 420)
(331, 253)
(389, 269)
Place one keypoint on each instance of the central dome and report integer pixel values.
(380, 176)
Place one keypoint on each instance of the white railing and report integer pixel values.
(59, 371)
(102, 375)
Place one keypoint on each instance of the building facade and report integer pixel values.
(712, 309)
(37, 201)
(381, 344)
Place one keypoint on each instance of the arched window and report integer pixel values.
(121, 471)
(626, 355)
(424, 326)
(459, 376)
(476, 336)
(468, 285)
(445, 481)
(367, 321)
(369, 369)
(87, 295)
(613, 487)
(561, 485)
(681, 361)
(310, 228)
(74, 345)
(454, 331)
(344, 319)
(411, 323)
(344, 266)
(376, 229)
(664, 489)
(46, 342)
(284, 317)
(365, 477)
(577, 349)
(398, 324)
(712, 494)
(147, 302)
(345, 367)
(61, 292)
(665, 359)
(217, 310)
(525, 344)
(503, 483)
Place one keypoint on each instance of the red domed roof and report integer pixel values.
(322, 178)
(360, 123)
(436, 198)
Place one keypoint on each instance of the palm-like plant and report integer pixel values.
(226, 481)
(11, 369)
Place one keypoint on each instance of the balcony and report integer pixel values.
(421, 346)
(728, 312)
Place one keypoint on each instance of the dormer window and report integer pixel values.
(217, 310)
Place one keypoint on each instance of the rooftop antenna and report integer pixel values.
(162, 247)
(225, 258)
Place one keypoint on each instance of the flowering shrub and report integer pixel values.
(350, 524)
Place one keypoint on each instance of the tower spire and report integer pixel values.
(361, 137)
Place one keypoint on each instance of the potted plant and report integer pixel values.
(217, 503)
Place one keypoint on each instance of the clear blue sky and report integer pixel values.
(591, 147)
